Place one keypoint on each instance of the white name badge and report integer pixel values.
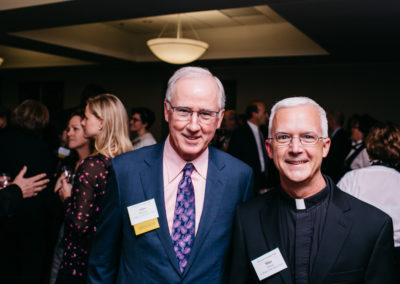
(143, 211)
(268, 264)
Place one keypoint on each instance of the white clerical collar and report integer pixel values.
(300, 204)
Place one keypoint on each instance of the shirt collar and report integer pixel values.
(253, 126)
(309, 201)
(175, 164)
(356, 144)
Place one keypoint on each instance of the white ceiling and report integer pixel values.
(249, 32)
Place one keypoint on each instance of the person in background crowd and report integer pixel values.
(308, 230)
(358, 157)
(25, 236)
(223, 135)
(379, 183)
(81, 147)
(60, 121)
(193, 187)
(333, 164)
(141, 120)
(247, 144)
(105, 121)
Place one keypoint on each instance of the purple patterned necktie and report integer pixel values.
(184, 218)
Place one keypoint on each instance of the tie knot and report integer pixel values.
(188, 169)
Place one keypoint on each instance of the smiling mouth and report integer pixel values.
(296, 162)
(191, 138)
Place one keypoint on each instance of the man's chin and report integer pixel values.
(297, 177)
(191, 152)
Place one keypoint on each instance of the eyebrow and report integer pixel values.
(202, 109)
(301, 133)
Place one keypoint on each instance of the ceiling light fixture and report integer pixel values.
(177, 50)
(1, 61)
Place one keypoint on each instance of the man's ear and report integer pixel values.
(166, 111)
(220, 118)
(326, 147)
(268, 146)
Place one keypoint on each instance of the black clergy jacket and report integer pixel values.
(356, 245)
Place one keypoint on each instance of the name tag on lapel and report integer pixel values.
(268, 264)
(144, 216)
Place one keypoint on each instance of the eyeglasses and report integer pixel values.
(305, 139)
(135, 119)
(185, 114)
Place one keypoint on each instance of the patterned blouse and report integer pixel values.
(82, 213)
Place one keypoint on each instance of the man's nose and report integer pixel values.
(295, 145)
(194, 122)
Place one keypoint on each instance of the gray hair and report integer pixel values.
(299, 101)
(194, 72)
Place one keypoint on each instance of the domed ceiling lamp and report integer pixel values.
(177, 50)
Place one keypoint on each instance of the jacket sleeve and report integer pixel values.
(381, 266)
(105, 251)
(9, 198)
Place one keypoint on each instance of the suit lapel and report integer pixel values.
(336, 230)
(215, 187)
(269, 218)
(153, 187)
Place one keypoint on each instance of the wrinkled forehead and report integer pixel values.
(296, 120)
(193, 80)
(191, 91)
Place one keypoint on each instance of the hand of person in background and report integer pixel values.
(66, 189)
(30, 186)
(63, 187)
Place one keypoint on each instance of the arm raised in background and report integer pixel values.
(20, 188)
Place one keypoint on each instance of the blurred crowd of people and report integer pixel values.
(51, 198)
(51, 193)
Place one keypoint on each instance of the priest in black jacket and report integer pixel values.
(308, 230)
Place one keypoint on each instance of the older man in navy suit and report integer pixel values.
(308, 230)
(179, 196)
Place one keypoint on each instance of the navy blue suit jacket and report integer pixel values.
(119, 256)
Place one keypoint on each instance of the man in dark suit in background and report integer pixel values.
(247, 144)
(308, 230)
(333, 164)
(182, 231)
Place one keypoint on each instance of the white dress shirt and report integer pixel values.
(362, 159)
(378, 186)
(146, 140)
(256, 132)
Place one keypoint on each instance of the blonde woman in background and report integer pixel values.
(105, 121)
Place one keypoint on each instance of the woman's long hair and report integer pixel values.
(113, 139)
